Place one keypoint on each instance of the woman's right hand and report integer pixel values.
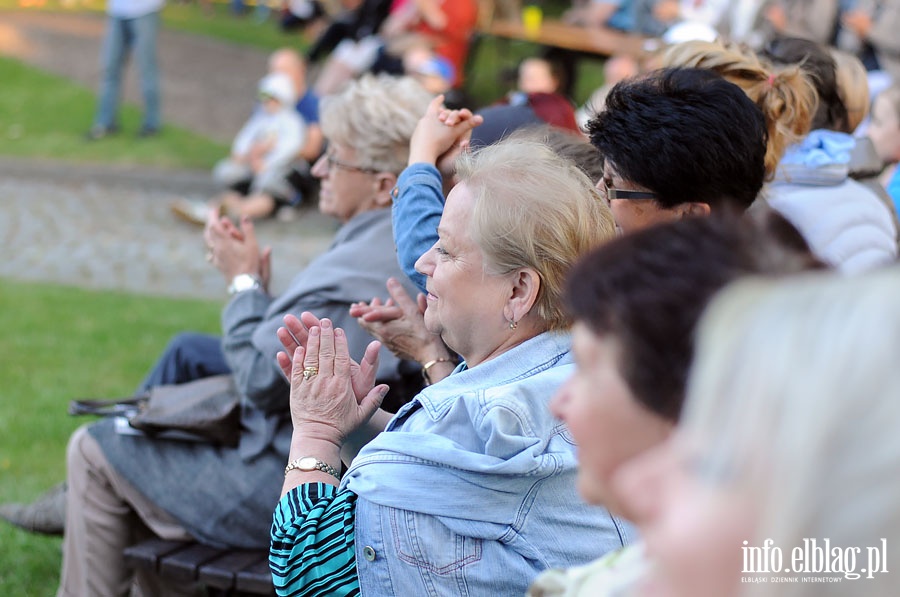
(295, 334)
(324, 405)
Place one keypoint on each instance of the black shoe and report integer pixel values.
(98, 132)
(46, 514)
(147, 131)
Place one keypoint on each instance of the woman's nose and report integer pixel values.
(425, 263)
(320, 168)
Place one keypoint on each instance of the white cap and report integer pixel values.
(279, 86)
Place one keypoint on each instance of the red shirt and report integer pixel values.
(451, 42)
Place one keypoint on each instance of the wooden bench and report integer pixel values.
(222, 571)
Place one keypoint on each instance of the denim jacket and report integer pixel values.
(471, 488)
(416, 212)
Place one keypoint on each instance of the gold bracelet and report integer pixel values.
(430, 364)
(311, 463)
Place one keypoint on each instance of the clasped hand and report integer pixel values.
(441, 135)
(336, 395)
(234, 250)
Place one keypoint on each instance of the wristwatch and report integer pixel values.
(242, 282)
(311, 463)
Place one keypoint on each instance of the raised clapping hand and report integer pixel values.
(234, 250)
(399, 323)
(325, 404)
(441, 133)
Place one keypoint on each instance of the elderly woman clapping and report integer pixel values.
(470, 487)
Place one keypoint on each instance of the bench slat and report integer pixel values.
(183, 565)
(256, 579)
(221, 573)
(236, 571)
(148, 553)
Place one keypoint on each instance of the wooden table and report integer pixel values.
(569, 44)
(586, 40)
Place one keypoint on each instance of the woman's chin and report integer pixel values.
(324, 209)
(431, 322)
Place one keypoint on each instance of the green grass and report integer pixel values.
(484, 84)
(223, 25)
(60, 343)
(43, 115)
(190, 18)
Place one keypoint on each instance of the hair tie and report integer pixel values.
(770, 81)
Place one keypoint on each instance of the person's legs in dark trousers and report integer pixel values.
(189, 356)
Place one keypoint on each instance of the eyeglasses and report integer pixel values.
(333, 162)
(609, 192)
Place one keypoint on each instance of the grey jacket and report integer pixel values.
(225, 496)
(354, 268)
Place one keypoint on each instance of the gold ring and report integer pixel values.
(309, 372)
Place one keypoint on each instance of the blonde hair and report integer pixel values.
(852, 86)
(376, 116)
(795, 394)
(786, 97)
(534, 209)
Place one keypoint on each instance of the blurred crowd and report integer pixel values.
(691, 279)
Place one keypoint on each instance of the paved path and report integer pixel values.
(109, 227)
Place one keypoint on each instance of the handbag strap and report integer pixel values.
(116, 407)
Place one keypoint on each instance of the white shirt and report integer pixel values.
(132, 9)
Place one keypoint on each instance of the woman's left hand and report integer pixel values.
(400, 325)
(323, 404)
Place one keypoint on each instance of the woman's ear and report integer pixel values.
(384, 184)
(693, 210)
(526, 285)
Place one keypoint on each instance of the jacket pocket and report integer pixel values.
(423, 541)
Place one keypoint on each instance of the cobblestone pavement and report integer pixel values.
(110, 227)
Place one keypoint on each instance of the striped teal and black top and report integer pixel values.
(312, 549)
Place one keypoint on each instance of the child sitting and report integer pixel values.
(255, 174)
